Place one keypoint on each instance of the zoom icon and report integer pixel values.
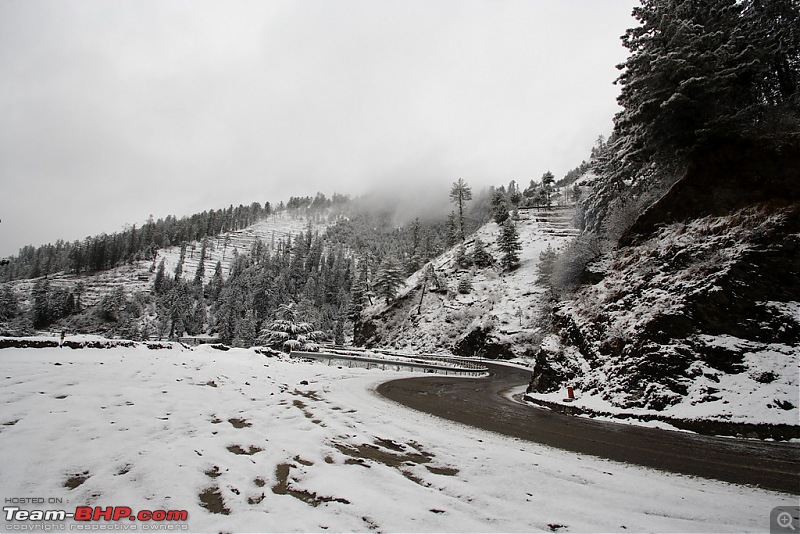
(784, 519)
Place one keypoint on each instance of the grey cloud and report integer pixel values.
(115, 110)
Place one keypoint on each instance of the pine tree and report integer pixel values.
(338, 331)
(40, 311)
(499, 206)
(246, 330)
(179, 308)
(547, 260)
(200, 313)
(158, 283)
(200, 273)
(547, 186)
(460, 194)
(480, 256)
(179, 266)
(289, 332)
(216, 283)
(510, 245)
(8, 304)
(358, 300)
(389, 280)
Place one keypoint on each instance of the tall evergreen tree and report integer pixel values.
(8, 304)
(158, 283)
(289, 331)
(179, 266)
(547, 260)
(389, 279)
(200, 273)
(338, 331)
(40, 311)
(480, 256)
(499, 206)
(246, 330)
(547, 186)
(510, 245)
(460, 194)
(216, 283)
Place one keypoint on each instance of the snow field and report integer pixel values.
(242, 443)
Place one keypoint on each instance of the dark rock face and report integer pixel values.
(546, 377)
(480, 343)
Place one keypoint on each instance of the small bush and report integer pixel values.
(465, 285)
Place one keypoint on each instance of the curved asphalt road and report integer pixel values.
(477, 402)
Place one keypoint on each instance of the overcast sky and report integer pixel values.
(114, 110)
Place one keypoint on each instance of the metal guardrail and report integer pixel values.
(398, 363)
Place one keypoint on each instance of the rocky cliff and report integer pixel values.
(697, 310)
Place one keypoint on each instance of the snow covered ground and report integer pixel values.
(247, 443)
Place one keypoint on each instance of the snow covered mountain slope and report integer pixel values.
(497, 317)
(696, 315)
(224, 247)
(138, 276)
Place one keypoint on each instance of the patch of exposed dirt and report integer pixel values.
(211, 500)
(213, 472)
(393, 454)
(283, 487)
(383, 456)
(236, 449)
(240, 423)
(446, 471)
(311, 395)
(76, 480)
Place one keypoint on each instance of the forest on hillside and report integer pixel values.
(314, 284)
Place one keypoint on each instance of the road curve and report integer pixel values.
(477, 402)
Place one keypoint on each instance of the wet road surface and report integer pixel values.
(478, 402)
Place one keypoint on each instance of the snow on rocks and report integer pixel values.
(685, 323)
